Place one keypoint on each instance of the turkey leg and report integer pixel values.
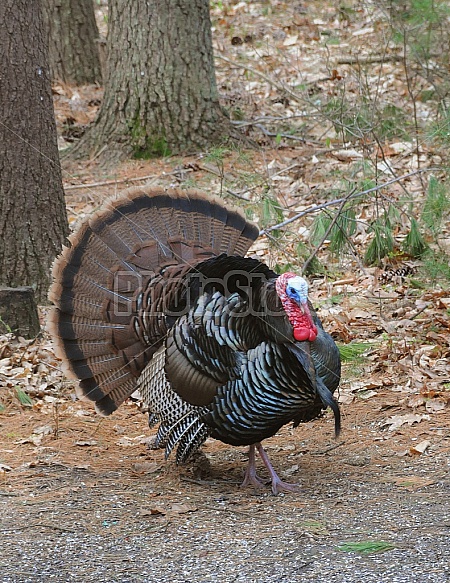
(251, 477)
(277, 484)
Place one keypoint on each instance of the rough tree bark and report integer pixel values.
(73, 41)
(18, 312)
(160, 87)
(33, 222)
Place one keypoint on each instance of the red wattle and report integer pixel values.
(302, 334)
(299, 316)
(312, 334)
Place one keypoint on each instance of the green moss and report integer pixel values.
(146, 147)
(152, 148)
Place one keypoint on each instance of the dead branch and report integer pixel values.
(369, 60)
(272, 82)
(108, 182)
(336, 201)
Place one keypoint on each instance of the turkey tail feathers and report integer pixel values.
(99, 281)
(311, 364)
(328, 400)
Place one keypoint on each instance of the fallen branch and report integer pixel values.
(328, 449)
(269, 119)
(39, 524)
(266, 132)
(369, 60)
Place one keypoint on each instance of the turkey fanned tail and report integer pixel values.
(118, 286)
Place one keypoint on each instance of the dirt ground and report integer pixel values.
(84, 499)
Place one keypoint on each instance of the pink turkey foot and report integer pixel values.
(251, 478)
(277, 484)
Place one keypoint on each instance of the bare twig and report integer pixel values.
(237, 195)
(272, 82)
(207, 482)
(99, 153)
(315, 208)
(327, 449)
(269, 119)
(413, 102)
(328, 231)
(39, 524)
(108, 182)
(266, 132)
(419, 312)
(230, 509)
(240, 195)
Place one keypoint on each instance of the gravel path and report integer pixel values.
(66, 523)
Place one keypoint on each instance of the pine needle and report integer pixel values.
(367, 547)
(414, 244)
(24, 399)
(351, 352)
(382, 243)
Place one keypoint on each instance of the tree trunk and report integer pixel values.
(73, 41)
(18, 312)
(33, 222)
(160, 87)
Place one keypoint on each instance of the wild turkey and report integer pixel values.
(154, 293)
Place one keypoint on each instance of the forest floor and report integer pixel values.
(84, 498)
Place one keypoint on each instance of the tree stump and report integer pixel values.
(18, 312)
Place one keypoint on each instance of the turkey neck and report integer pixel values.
(269, 310)
(253, 281)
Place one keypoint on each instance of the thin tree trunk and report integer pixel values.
(73, 41)
(160, 87)
(33, 222)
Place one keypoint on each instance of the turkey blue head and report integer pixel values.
(293, 293)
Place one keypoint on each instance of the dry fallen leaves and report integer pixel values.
(171, 511)
(420, 447)
(396, 421)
